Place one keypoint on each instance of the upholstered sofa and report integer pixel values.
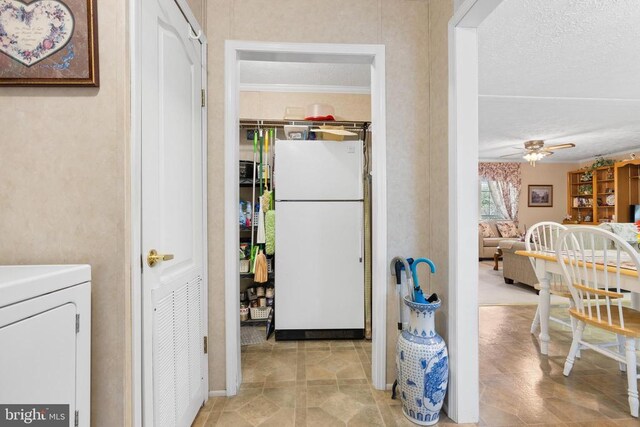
(488, 245)
(516, 268)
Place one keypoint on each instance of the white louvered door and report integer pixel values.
(174, 363)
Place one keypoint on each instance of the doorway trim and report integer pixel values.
(463, 405)
(374, 55)
(134, 386)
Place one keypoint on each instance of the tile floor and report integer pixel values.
(327, 383)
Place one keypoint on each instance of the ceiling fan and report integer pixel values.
(535, 150)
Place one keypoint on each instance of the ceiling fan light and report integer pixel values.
(534, 156)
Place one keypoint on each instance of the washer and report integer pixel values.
(45, 342)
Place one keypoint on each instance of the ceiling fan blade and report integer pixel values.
(560, 146)
(512, 155)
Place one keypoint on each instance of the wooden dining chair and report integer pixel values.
(542, 237)
(593, 261)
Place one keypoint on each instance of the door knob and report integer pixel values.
(154, 257)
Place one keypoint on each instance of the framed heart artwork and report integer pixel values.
(48, 42)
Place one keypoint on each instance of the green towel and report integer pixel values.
(270, 232)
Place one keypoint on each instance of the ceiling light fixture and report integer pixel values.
(534, 156)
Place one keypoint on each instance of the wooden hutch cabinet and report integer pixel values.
(603, 194)
(580, 196)
(627, 188)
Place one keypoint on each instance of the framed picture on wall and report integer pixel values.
(540, 196)
(48, 43)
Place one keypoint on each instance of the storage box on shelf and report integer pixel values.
(260, 313)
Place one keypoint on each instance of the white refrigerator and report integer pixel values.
(319, 279)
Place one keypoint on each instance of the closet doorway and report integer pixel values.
(371, 56)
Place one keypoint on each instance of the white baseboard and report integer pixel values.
(217, 393)
(389, 386)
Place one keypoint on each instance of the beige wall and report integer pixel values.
(544, 174)
(271, 105)
(63, 197)
(550, 174)
(440, 11)
(65, 174)
(555, 174)
(417, 207)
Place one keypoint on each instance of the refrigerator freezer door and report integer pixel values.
(318, 170)
(320, 273)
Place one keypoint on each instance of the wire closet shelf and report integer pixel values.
(359, 126)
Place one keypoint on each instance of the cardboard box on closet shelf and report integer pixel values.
(331, 136)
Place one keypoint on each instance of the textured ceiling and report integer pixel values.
(304, 74)
(608, 127)
(566, 70)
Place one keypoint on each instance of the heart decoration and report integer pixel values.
(32, 32)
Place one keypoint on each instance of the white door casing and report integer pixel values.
(463, 404)
(374, 55)
(173, 304)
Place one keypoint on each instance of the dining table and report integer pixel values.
(546, 265)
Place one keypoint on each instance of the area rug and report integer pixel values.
(252, 335)
(492, 290)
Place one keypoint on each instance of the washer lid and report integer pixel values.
(22, 282)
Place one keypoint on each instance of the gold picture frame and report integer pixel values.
(540, 196)
(49, 43)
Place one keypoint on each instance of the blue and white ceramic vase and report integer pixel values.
(422, 365)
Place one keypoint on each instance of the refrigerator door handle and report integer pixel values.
(361, 233)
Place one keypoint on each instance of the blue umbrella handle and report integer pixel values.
(414, 269)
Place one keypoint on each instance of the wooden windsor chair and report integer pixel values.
(542, 237)
(593, 261)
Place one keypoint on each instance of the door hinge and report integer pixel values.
(206, 345)
(76, 421)
(203, 96)
(77, 323)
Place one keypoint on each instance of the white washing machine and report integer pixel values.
(45, 343)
